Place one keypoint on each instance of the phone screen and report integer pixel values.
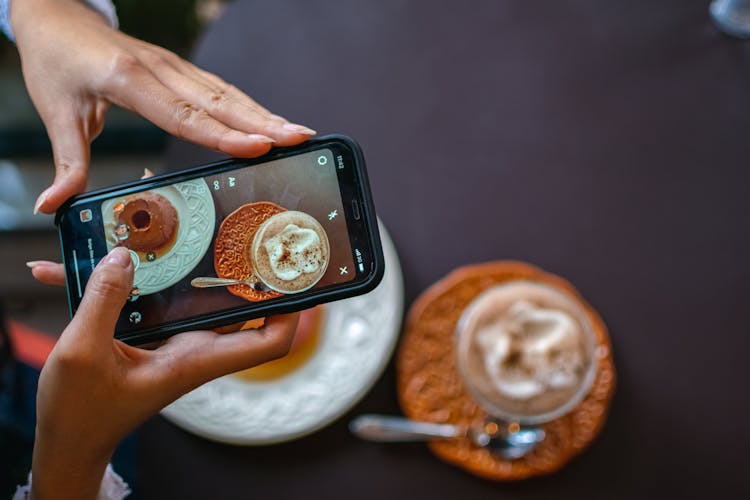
(247, 233)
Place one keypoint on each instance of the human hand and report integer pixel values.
(75, 65)
(53, 273)
(94, 389)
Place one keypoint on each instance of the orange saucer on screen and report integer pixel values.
(232, 247)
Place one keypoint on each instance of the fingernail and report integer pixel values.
(261, 138)
(147, 173)
(34, 263)
(298, 129)
(40, 201)
(119, 256)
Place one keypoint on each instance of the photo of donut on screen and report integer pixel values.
(247, 235)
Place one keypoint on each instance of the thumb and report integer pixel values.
(106, 293)
(71, 150)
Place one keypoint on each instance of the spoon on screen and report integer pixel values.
(208, 282)
(509, 441)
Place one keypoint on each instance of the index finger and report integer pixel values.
(144, 94)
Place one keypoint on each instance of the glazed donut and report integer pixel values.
(151, 219)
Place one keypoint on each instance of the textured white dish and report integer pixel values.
(357, 339)
(195, 209)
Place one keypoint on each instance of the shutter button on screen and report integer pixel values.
(136, 259)
(355, 209)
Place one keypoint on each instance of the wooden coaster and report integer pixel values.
(232, 247)
(431, 390)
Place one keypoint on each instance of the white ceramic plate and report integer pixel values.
(358, 337)
(195, 209)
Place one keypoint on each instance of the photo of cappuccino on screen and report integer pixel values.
(526, 351)
(290, 252)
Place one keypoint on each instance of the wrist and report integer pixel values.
(22, 11)
(62, 470)
(26, 14)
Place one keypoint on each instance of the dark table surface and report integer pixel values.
(608, 142)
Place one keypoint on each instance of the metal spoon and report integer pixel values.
(509, 441)
(207, 282)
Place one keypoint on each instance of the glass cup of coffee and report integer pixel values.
(526, 353)
(290, 252)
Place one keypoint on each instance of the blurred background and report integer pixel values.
(36, 314)
(127, 145)
(610, 141)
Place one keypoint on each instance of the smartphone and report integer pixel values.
(231, 241)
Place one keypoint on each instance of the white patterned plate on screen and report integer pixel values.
(357, 339)
(197, 216)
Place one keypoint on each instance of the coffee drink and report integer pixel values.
(290, 252)
(526, 351)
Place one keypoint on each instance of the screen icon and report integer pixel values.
(135, 317)
(232, 182)
(343, 270)
(360, 264)
(322, 160)
(333, 215)
(86, 215)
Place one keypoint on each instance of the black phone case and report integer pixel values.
(257, 309)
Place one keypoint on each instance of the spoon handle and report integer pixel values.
(391, 429)
(206, 282)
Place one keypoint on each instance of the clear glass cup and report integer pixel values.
(732, 16)
(520, 427)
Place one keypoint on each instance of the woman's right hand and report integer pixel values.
(75, 65)
(53, 273)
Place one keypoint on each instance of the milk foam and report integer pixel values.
(529, 349)
(294, 251)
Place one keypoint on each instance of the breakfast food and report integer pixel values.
(233, 244)
(290, 252)
(431, 388)
(147, 222)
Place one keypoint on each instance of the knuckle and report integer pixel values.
(68, 359)
(154, 59)
(72, 171)
(219, 100)
(122, 69)
(108, 281)
(72, 359)
(67, 166)
(75, 176)
(187, 116)
(226, 88)
(164, 55)
(279, 345)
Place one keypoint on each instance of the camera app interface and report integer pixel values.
(247, 235)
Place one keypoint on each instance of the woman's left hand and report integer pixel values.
(94, 389)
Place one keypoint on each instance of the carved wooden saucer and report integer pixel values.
(232, 247)
(430, 388)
